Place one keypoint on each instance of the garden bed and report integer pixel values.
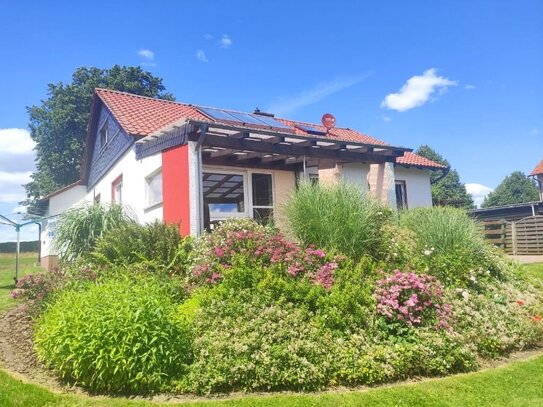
(18, 358)
(145, 312)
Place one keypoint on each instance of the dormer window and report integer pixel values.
(104, 134)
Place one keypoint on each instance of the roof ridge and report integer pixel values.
(175, 102)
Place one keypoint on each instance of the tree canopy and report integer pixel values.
(514, 189)
(59, 124)
(448, 190)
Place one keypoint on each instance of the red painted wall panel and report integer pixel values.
(175, 187)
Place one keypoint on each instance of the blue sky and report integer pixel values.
(465, 77)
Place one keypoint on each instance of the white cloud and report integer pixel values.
(314, 95)
(417, 91)
(386, 118)
(469, 87)
(478, 192)
(15, 141)
(201, 56)
(147, 54)
(226, 41)
(11, 189)
(208, 37)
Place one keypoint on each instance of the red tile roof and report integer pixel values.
(142, 116)
(538, 169)
(414, 160)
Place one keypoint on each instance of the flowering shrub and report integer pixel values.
(245, 240)
(34, 288)
(498, 322)
(412, 299)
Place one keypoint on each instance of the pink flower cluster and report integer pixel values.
(412, 299)
(32, 287)
(223, 247)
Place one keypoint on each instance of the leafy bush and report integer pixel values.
(118, 335)
(78, 229)
(338, 218)
(243, 345)
(157, 246)
(449, 245)
(363, 360)
(413, 300)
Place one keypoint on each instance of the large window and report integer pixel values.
(154, 188)
(237, 194)
(401, 195)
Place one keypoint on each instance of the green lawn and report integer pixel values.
(7, 273)
(535, 273)
(516, 384)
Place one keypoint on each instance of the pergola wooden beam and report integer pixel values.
(219, 183)
(226, 142)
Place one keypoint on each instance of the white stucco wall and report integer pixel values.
(417, 183)
(70, 198)
(134, 195)
(357, 174)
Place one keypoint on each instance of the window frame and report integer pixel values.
(148, 178)
(117, 182)
(247, 192)
(105, 130)
(403, 188)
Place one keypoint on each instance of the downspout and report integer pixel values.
(445, 172)
(540, 185)
(199, 169)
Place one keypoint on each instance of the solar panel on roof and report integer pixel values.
(270, 121)
(311, 130)
(220, 114)
(247, 118)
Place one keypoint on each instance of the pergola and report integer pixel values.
(271, 148)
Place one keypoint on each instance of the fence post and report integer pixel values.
(514, 236)
(502, 235)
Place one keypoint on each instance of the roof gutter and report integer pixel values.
(445, 170)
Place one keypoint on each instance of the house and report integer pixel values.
(537, 173)
(195, 165)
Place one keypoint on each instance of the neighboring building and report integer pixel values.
(509, 213)
(537, 173)
(194, 165)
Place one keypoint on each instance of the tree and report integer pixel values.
(514, 189)
(448, 190)
(59, 123)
